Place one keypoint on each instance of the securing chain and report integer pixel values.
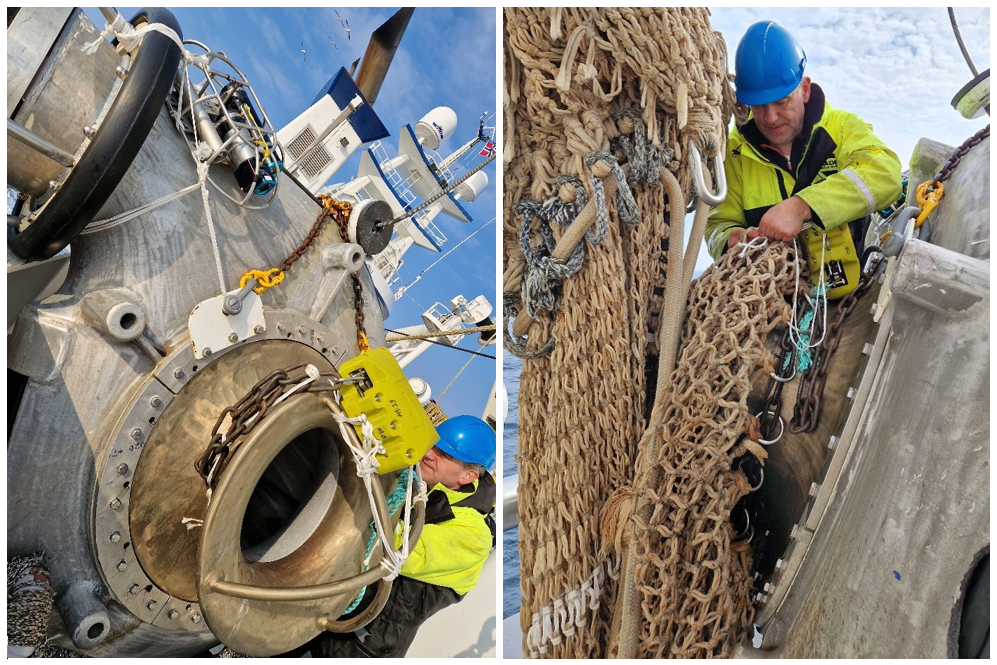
(338, 210)
(772, 408)
(342, 217)
(249, 411)
(808, 400)
(930, 192)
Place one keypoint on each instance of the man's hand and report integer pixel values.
(737, 235)
(785, 220)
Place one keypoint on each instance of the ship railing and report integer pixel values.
(425, 223)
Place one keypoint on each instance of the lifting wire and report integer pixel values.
(458, 374)
(452, 249)
(456, 348)
(962, 45)
(439, 195)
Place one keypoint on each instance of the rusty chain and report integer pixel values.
(808, 400)
(249, 411)
(953, 161)
(772, 408)
(343, 220)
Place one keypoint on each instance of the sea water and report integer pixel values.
(511, 367)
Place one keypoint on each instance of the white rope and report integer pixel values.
(367, 465)
(568, 612)
(757, 242)
(129, 37)
(820, 306)
(121, 218)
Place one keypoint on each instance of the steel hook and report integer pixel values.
(711, 199)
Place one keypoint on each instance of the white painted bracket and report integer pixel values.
(211, 331)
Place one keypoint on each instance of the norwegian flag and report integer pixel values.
(488, 150)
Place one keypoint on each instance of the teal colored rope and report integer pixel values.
(395, 501)
(803, 344)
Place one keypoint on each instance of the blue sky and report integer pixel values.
(446, 58)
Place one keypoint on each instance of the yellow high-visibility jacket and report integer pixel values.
(837, 166)
(452, 550)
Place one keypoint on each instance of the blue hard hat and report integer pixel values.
(468, 439)
(768, 64)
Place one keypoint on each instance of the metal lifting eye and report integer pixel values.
(782, 430)
(711, 199)
(761, 471)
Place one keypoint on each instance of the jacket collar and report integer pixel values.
(479, 495)
(813, 112)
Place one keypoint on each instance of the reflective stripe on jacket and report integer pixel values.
(838, 167)
(452, 550)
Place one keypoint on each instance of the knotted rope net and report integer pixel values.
(588, 90)
(694, 578)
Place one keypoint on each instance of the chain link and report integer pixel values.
(343, 219)
(249, 411)
(952, 162)
(806, 413)
(772, 407)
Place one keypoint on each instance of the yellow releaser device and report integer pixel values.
(384, 394)
(841, 263)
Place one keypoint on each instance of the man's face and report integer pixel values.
(782, 121)
(438, 467)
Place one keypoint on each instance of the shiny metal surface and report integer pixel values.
(166, 486)
(331, 550)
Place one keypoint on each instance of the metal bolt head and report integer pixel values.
(850, 394)
(115, 504)
(207, 352)
(867, 349)
(155, 402)
(137, 434)
(813, 489)
(762, 598)
(134, 589)
(122, 468)
(795, 529)
(280, 326)
(233, 338)
(195, 618)
(173, 615)
(121, 72)
(302, 330)
(151, 605)
(872, 311)
(319, 339)
(122, 565)
(779, 563)
(89, 131)
(259, 330)
(115, 536)
(54, 186)
(179, 374)
(768, 587)
(834, 440)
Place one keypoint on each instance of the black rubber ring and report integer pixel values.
(113, 148)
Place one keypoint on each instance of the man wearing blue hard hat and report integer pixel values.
(797, 161)
(454, 545)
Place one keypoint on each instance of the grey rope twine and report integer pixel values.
(512, 343)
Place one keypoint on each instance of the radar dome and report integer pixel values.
(473, 186)
(436, 127)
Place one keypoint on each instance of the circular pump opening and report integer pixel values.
(95, 631)
(291, 498)
(128, 320)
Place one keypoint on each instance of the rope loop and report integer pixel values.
(625, 203)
